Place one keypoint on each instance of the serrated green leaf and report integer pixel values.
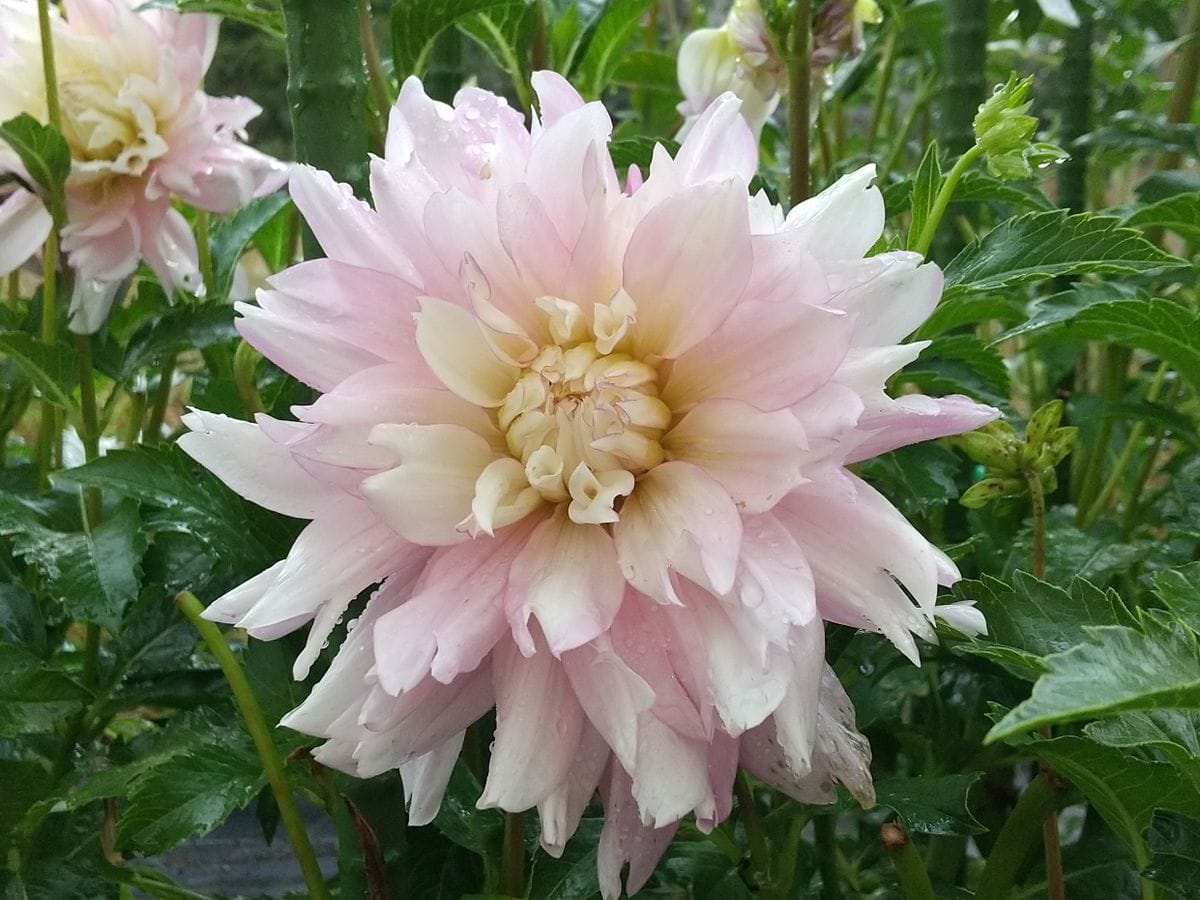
(650, 70)
(94, 576)
(1179, 589)
(232, 234)
(179, 495)
(917, 479)
(614, 29)
(1119, 669)
(415, 24)
(51, 367)
(1035, 618)
(1173, 732)
(1124, 789)
(1174, 843)
(924, 192)
(1055, 309)
(960, 364)
(931, 805)
(1168, 329)
(44, 154)
(976, 186)
(21, 622)
(970, 309)
(265, 15)
(1180, 214)
(34, 697)
(1045, 245)
(504, 33)
(179, 328)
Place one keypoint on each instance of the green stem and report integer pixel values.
(964, 51)
(154, 887)
(760, 855)
(910, 868)
(152, 433)
(204, 252)
(377, 80)
(260, 733)
(53, 111)
(825, 838)
(1116, 360)
(1037, 502)
(89, 425)
(906, 127)
(326, 90)
(1131, 445)
(799, 103)
(942, 200)
(245, 365)
(13, 293)
(1139, 485)
(1076, 113)
(514, 855)
(885, 83)
(48, 427)
(945, 857)
(1017, 838)
(1179, 109)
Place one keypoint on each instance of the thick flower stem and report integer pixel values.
(799, 102)
(942, 200)
(326, 91)
(260, 733)
(1116, 360)
(53, 111)
(514, 855)
(910, 868)
(377, 80)
(152, 433)
(1018, 837)
(1037, 503)
(1187, 73)
(204, 252)
(825, 836)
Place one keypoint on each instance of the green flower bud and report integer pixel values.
(1060, 443)
(1004, 131)
(1042, 423)
(992, 488)
(1003, 454)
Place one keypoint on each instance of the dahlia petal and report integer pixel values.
(678, 519)
(612, 695)
(670, 779)
(253, 465)
(346, 228)
(454, 347)
(843, 221)
(625, 839)
(902, 424)
(234, 604)
(769, 355)
(719, 145)
(754, 455)
(539, 724)
(427, 496)
(963, 616)
(531, 241)
(774, 580)
(425, 779)
(568, 578)
(686, 281)
(556, 96)
(796, 716)
(24, 224)
(453, 618)
(560, 812)
(889, 295)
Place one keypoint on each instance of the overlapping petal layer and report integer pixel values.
(590, 444)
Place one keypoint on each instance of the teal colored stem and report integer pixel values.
(260, 734)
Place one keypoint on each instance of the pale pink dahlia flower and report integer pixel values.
(141, 132)
(591, 443)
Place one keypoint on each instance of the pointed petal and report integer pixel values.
(455, 349)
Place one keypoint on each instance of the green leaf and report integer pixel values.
(924, 192)
(1168, 329)
(1174, 843)
(262, 14)
(232, 234)
(1036, 619)
(1119, 669)
(415, 24)
(21, 622)
(1038, 246)
(638, 151)
(178, 329)
(918, 479)
(51, 367)
(34, 698)
(959, 363)
(976, 186)
(1180, 214)
(504, 33)
(572, 876)
(179, 495)
(1173, 732)
(95, 576)
(614, 29)
(1124, 789)
(970, 309)
(478, 830)
(647, 69)
(931, 805)
(44, 154)
(1055, 309)
(1179, 589)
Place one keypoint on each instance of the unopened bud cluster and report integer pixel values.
(1010, 461)
(1004, 131)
